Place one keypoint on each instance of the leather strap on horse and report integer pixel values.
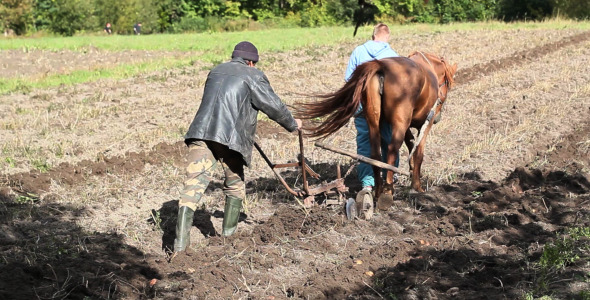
(423, 128)
(427, 60)
(432, 111)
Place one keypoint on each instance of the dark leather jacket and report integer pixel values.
(234, 93)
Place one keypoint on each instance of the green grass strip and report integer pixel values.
(265, 40)
(213, 48)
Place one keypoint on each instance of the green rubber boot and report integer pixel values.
(183, 228)
(231, 212)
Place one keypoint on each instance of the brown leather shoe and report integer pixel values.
(364, 202)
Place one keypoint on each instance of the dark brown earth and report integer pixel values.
(470, 240)
(474, 239)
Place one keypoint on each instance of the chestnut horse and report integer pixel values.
(403, 91)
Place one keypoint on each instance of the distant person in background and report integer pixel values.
(137, 28)
(108, 29)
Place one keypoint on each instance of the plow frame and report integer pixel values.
(308, 193)
(335, 187)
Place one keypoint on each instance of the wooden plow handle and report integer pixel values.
(364, 159)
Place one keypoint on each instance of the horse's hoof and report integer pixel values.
(418, 189)
(385, 201)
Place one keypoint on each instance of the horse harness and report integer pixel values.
(445, 82)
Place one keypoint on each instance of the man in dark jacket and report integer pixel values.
(222, 132)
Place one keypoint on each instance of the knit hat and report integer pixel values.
(245, 50)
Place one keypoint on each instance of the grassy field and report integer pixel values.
(214, 47)
(267, 40)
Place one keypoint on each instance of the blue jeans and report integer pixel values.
(363, 147)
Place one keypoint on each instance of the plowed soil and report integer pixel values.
(507, 173)
(39, 63)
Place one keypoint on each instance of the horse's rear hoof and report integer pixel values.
(418, 189)
(385, 201)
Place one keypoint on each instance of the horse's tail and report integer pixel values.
(338, 107)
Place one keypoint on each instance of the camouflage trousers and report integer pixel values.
(203, 158)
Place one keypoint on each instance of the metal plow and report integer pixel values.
(333, 191)
(330, 190)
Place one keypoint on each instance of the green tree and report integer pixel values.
(510, 10)
(123, 14)
(208, 8)
(16, 15)
(107, 11)
(315, 15)
(41, 14)
(66, 17)
(171, 12)
(575, 9)
(138, 11)
(341, 10)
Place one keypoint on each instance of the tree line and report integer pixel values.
(67, 17)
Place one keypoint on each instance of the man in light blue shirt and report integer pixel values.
(377, 48)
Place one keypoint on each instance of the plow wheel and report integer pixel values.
(362, 207)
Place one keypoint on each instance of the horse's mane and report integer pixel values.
(432, 57)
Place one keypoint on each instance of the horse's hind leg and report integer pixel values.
(385, 200)
(409, 141)
(397, 138)
(375, 141)
(372, 110)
